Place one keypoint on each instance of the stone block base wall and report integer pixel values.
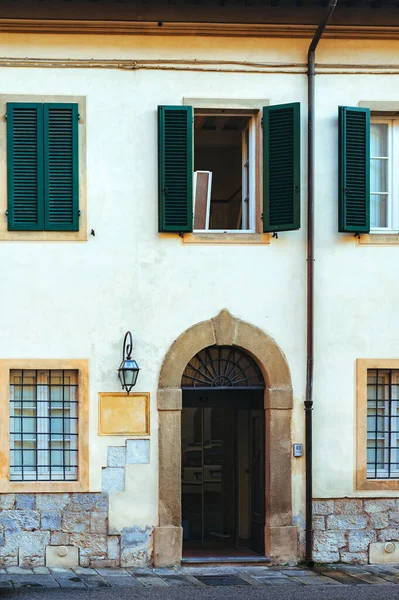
(31, 522)
(344, 528)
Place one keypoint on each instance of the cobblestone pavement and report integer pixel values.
(81, 578)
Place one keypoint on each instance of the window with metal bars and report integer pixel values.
(382, 424)
(43, 425)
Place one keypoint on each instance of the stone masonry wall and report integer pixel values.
(345, 527)
(31, 522)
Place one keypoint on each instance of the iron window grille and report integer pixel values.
(382, 424)
(43, 425)
(222, 367)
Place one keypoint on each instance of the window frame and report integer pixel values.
(361, 480)
(44, 235)
(254, 107)
(43, 416)
(392, 175)
(253, 159)
(29, 486)
(384, 435)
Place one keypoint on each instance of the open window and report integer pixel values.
(224, 171)
(208, 162)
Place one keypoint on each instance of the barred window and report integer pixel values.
(43, 425)
(382, 424)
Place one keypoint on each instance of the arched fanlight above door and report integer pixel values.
(222, 367)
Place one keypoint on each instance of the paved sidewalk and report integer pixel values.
(148, 577)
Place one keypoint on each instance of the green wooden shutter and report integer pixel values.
(25, 166)
(281, 167)
(354, 169)
(61, 167)
(175, 169)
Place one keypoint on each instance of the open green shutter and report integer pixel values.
(281, 167)
(61, 167)
(354, 169)
(175, 169)
(25, 166)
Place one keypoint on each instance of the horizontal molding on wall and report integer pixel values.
(205, 29)
(223, 66)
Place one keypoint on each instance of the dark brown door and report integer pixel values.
(257, 444)
(223, 470)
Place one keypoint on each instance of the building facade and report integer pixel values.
(99, 235)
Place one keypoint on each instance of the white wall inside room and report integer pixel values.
(78, 299)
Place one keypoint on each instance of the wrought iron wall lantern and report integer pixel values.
(129, 369)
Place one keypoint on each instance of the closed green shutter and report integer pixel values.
(354, 170)
(25, 166)
(175, 169)
(61, 166)
(281, 167)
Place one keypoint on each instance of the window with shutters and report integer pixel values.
(210, 172)
(42, 181)
(224, 171)
(384, 177)
(377, 424)
(44, 425)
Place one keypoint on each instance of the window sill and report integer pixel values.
(226, 238)
(378, 239)
(43, 236)
(377, 484)
(28, 487)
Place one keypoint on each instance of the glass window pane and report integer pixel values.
(382, 424)
(16, 393)
(56, 393)
(29, 459)
(378, 175)
(378, 210)
(56, 425)
(71, 378)
(73, 458)
(39, 415)
(29, 425)
(379, 139)
(57, 457)
(56, 377)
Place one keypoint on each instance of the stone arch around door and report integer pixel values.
(226, 330)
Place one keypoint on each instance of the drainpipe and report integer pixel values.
(310, 281)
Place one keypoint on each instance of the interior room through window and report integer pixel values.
(223, 171)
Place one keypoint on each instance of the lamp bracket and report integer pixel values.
(127, 346)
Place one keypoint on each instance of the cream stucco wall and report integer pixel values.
(77, 299)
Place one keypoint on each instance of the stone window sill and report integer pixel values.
(226, 238)
(44, 236)
(379, 239)
(39, 487)
(376, 484)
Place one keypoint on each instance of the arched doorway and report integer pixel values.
(281, 543)
(223, 454)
